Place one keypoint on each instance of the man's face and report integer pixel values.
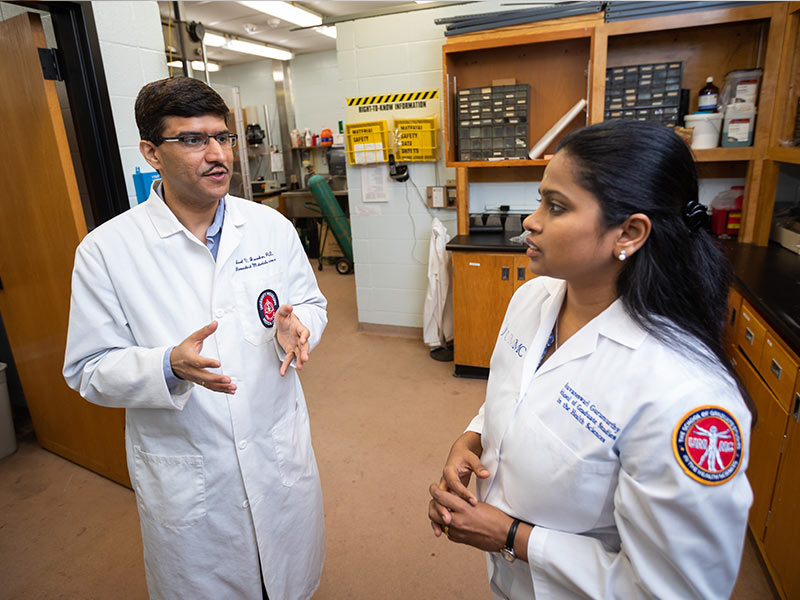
(193, 177)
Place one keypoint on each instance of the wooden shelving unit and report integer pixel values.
(566, 60)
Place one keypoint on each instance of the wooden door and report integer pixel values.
(41, 224)
(482, 287)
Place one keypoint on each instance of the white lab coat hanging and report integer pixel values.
(438, 308)
(220, 480)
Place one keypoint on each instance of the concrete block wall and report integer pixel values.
(315, 87)
(395, 53)
(132, 48)
(256, 88)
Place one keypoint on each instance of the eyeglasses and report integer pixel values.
(199, 141)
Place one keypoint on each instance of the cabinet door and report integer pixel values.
(482, 287)
(734, 306)
(783, 529)
(521, 271)
(778, 369)
(765, 443)
(750, 333)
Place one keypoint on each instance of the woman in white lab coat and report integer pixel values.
(610, 452)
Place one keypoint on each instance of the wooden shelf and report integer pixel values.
(785, 155)
(319, 147)
(500, 163)
(723, 154)
(711, 155)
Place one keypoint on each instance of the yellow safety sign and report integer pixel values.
(401, 99)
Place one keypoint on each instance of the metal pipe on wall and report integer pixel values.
(177, 6)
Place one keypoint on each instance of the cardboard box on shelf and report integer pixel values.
(787, 236)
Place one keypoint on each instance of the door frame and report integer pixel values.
(81, 65)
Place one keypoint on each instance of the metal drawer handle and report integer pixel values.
(504, 273)
(521, 273)
(775, 368)
(796, 411)
(733, 317)
(749, 335)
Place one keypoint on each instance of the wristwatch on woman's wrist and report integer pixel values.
(508, 551)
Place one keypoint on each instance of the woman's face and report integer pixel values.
(569, 240)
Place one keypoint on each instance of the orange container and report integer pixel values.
(326, 137)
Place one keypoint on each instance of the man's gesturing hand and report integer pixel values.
(293, 338)
(187, 363)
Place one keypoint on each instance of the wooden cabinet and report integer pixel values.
(565, 60)
(766, 440)
(483, 284)
(783, 528)
(769, 371)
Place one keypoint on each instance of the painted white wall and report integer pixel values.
(256, 88)
(315, 86)
(132, 48)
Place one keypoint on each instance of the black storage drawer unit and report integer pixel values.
(492, 122)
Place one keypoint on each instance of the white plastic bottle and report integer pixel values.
(308, 138)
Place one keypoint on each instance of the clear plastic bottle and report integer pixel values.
(708, 96)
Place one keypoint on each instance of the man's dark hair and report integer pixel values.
(174, 96)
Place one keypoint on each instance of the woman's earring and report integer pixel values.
(623, 254)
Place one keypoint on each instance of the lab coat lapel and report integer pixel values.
(556, 288)
(231, 235)
(614, 323)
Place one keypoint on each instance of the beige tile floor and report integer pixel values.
(383, 416)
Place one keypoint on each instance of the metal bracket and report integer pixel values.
(49, 59)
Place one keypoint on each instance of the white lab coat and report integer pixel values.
(438, 307)
(617, 518)
(219, 479)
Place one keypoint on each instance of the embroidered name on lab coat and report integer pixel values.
(253, 262)
(587, 414)
(513, 341)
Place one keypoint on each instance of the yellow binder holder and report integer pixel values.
(415, 139)
(367, 142)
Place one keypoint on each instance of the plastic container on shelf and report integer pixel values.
(726, 211)
(740, 85)
(739, 125)
(706, 128)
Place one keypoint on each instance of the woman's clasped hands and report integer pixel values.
(455, 511)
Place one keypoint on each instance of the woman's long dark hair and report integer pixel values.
(679, 278)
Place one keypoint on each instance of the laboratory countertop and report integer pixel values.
(486, 242)
(769, 279)
(270, 194)
(767, 276)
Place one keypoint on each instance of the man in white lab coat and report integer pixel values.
(193, 311)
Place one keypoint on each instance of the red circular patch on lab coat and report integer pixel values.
(707, 442)
(267, 306)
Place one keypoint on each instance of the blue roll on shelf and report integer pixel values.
(143, 182)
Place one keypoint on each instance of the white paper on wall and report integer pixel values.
(276, 162)
(373, 183)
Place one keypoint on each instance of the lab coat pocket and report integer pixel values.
(170, 490)
(575, 491)
(258, 296)
(292, 438)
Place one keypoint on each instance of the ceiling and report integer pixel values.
(249, 24)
